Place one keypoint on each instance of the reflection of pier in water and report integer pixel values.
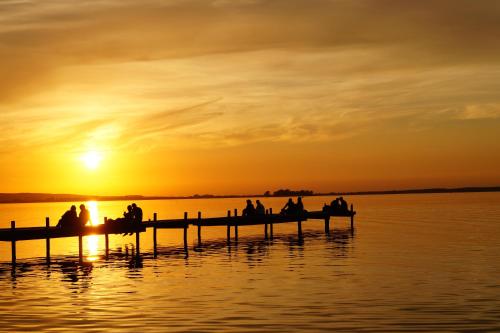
(268, 220)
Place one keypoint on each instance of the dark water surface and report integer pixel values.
(413, 263)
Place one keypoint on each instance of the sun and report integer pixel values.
(92, 159)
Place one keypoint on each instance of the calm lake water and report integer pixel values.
(413, 263)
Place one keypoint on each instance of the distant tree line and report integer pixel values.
(288, 193)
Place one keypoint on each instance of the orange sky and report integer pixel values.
(244, 96)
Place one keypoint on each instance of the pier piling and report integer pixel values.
(137, 244)
(155, 250)
(106, 241)
(80, 248)
(265, 224)
(327, 224)
(47, 241)
(352, 216)
(199, 228)
(299, 228)
(228, 227)
(13, 243)
(185, 233)
(271, 223)
(235, 225)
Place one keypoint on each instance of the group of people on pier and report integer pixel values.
(72, 220)
(133, 214)
(290, 208)
(251, 210)
(337, 206)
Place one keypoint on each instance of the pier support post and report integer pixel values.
(155, 250)
(13, 243)
(185, 233)
(265, 224)
(47, 241)
(80, 248)
(299, 227)
(106, 241)
(327, 224)
(137, 244)
(228, 227)
(352, 217)
(235, 225)
(271, 223)
(199, 228)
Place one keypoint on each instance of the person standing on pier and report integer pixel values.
(84, 216)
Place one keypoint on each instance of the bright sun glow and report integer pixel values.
(92, 159)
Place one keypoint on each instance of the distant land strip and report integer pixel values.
(49, 197)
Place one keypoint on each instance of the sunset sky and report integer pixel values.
(243, 96)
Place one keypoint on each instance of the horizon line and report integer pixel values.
(13, 197)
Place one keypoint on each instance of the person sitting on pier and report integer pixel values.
(127, 218)
(69, 219)
(335, 206)
(260, 209)
(249, 210)
(343, 205)
(84, 216)
(326, 209)
(290, 208)
(133, 216)
(300, 206)
(136, 214)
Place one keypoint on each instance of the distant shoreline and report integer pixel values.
(9, 198)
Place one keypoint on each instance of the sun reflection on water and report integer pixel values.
(93, 241)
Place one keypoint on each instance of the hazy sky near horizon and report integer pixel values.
(243, 96)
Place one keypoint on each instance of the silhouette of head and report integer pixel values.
(299, 199)
(249, 202)
(290, 200)
(134, 205)
(82, 206)
(73, 207)
(129, 208)
(258, 201)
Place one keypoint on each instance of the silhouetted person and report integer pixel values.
(84, 216)
(343, 205)
(249, 210)
(136, 213)
(289, 208)
(300, 205)
(259, 208)
(128, 216)
(69, 219)
(335, 206)
(326, 208)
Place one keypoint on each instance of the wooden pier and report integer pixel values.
(268, 220)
